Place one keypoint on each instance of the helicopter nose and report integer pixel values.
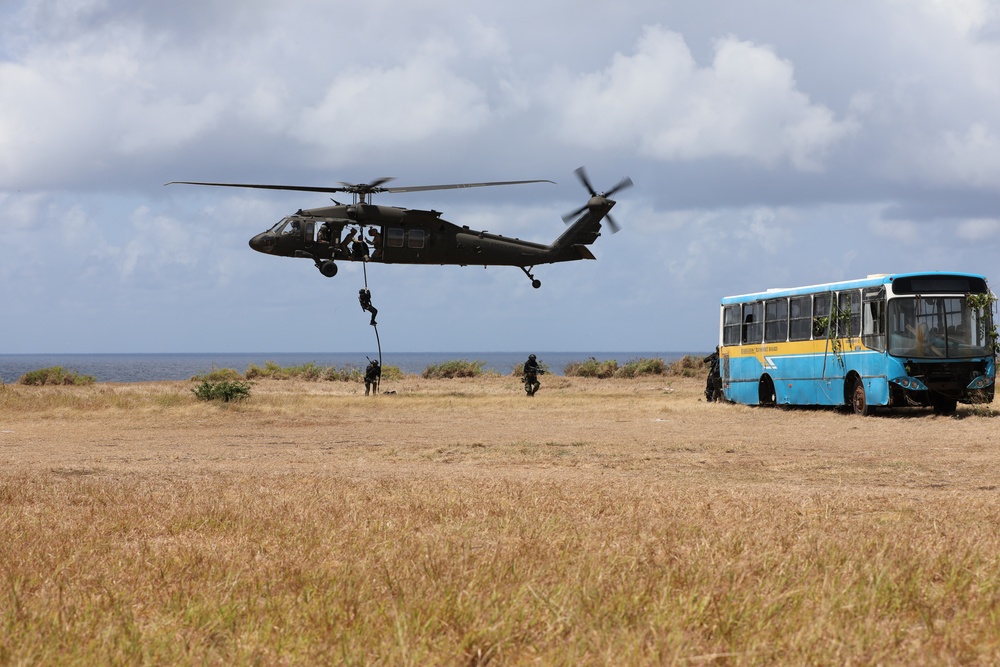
(263, 242)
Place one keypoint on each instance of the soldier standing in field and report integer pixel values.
(373, 374)
(531, 371)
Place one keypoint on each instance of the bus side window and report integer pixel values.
(800, 323)
(753, 326)
(873, 325)
(849, 314)
(731, 325)
(821, 314)
(776, 321)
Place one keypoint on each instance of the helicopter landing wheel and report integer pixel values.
(327, 268)
(534, 281)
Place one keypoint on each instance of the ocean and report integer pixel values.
(184, 366)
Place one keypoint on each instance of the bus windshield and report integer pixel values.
(937, 327)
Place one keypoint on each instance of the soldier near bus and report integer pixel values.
(373, 375)
(531, 373)
(713, 384)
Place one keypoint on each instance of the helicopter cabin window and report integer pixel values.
(394, 237)
(415, 238)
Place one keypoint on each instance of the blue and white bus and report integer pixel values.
(914, 339)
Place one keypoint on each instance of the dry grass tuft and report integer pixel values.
(458, 521)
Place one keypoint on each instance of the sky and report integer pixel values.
(773, 143)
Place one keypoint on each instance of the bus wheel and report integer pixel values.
(859, 400)
(765, 391)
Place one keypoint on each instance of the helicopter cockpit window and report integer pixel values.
(288, 226)
(394, 237)
(280, 225)
(415, 238)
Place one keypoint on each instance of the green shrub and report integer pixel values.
(591, 368)
(688, 366)
(346, 373)
(454, 369)
(271, 371)
(219, 375)
(55, 375)
(391, 373)
(224, 391)
(645, 366)
(310, 372)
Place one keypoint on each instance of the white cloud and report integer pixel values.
(396, 106)
(659, 102)
(91, 105)
(963, 16)
(979, 230)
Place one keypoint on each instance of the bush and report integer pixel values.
(392, 373)
(689, 366)
(224, 391)
(55, 375)
(343, 374)
(454, 369)
(219, 375)
(591, 368)
(310, 372)
(636, 367)
(271, 370)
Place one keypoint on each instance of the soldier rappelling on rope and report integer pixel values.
(365, 299)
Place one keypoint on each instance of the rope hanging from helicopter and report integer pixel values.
(378, 341)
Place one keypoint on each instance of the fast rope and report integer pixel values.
(378, 341)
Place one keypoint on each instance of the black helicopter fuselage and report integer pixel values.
(393, 235)
(366, 232)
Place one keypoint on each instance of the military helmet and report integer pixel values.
(531, 357)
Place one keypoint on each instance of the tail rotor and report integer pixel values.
(598, 199)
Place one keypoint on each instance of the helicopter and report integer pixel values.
(410, 236)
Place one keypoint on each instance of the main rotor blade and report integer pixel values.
(296, 188)
(374, 186)
(459, 186)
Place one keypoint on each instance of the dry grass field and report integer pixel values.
(460, 522)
